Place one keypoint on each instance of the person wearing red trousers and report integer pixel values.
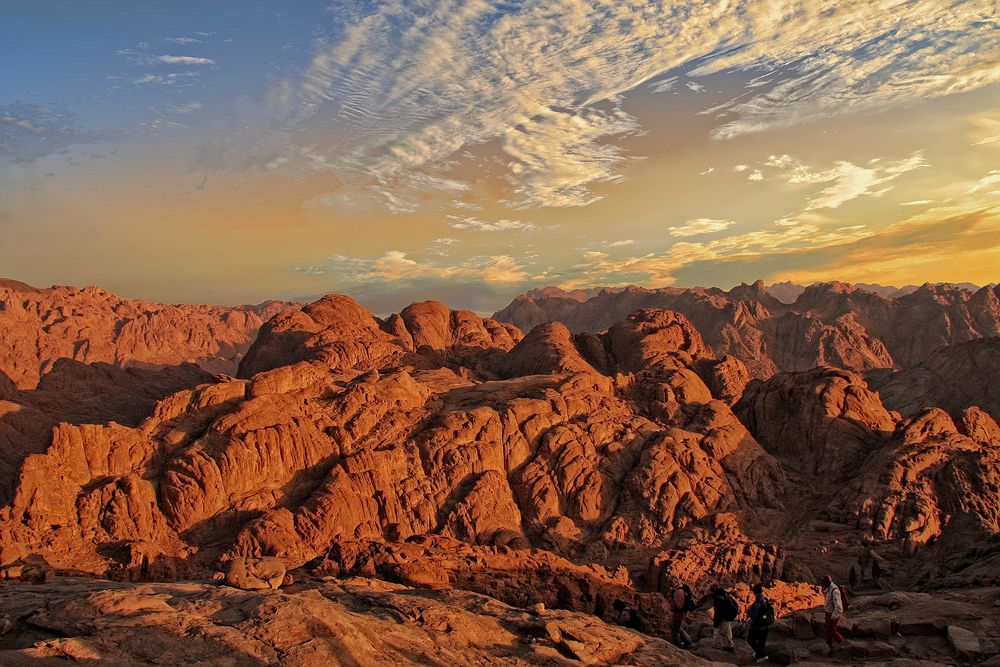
(833, 606)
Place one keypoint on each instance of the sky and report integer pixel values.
(402, 150)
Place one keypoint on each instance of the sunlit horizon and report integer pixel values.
(469, 152)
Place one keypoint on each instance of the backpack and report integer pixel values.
(765, 614)
(633, 619)
(673, 600)
(843, 597)
(730, 610)
(689, 604)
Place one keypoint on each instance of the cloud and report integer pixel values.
(442, 246)
(475, 224)
(664, 85)
(851, 181)
(700, 226)
(951, 239)
(706, 172)
(416, 82)
(408, 193)
(917, 202)
(987, 183)
(170, 79)
(860, 57)
(397, 267)
(597, 268)
(187, 107)
(185, 60)
(183, 40)
(847, 180)
(740, 168)
(986, 129)
(661, 268)
(622, 243)
(755, 176)
(29, 132)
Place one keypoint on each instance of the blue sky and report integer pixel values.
(222, 151)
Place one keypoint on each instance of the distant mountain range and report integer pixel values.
(788, 292)
(832, 324)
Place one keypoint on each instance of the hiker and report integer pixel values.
(724, 612)
(833, 608)
(627, 615)
(681, 602)
(761, 615)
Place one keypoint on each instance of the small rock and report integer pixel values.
(873, 627)
(964, 642)
(930, 626)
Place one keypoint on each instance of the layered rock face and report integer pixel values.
(823, 421)
(353, 622)
(954, 378)
(440, 449)
(89, 325)
(829, 324)
(430, 422)
(76, 393)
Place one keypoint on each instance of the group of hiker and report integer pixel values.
(760, 616)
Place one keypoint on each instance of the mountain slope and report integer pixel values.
(92, 325)
(831, 324)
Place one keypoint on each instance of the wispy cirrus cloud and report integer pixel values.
(397, 267)
(700, 226)
(847, 180)
(184, 60)
(169, 79)
(990, 183)
(417, 81)
(660, 268)
(471, 223)
(29, 132)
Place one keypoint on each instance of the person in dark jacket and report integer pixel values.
(627, 615)
(761, 615)
(724, 612)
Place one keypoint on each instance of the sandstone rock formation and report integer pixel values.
(91, 325)
(830, 324)
(953, 378)
(76, 393)
(934, 478)
(361, 621)
(354, 622)
(438, 449)
(372, 429)
(823, 421)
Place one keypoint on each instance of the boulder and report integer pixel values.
(964, 642)
(255, 573)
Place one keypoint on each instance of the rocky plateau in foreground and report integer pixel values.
(417, 485)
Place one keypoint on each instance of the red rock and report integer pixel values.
(92, 325)
(827, 324)
(436, 448)
(954, 378)
(821, 421)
